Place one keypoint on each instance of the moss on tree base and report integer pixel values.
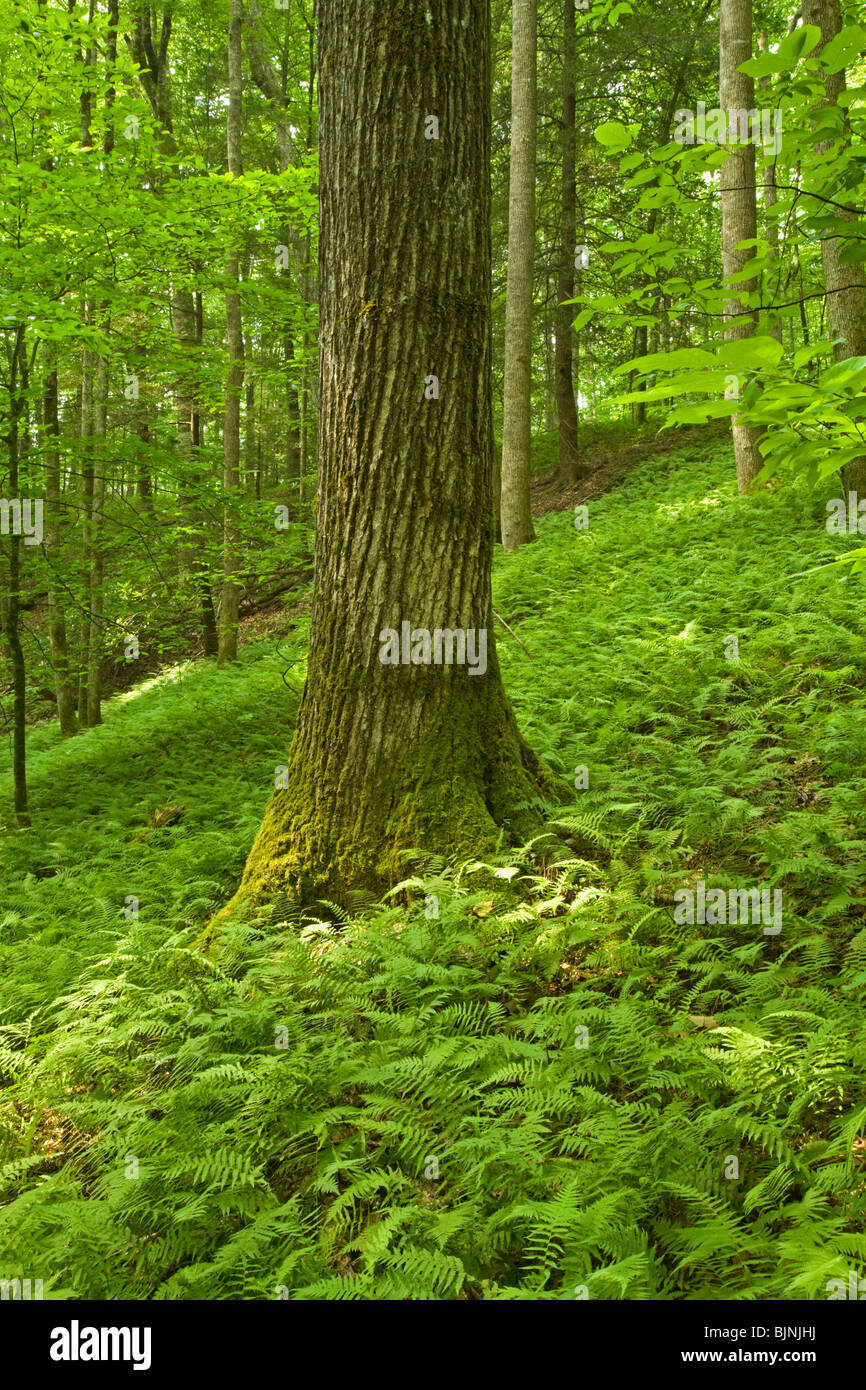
(456, 796)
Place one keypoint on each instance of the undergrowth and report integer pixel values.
(461, 1093)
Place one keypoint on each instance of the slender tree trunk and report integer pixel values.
(187, 329)
(739, 211)
(13, 605)
(248, 474)
(141, 426)
(266, 80)
(87, 422)
(640, 335)
(549, 331)
(259, 432)
(797, 267)
(845, 285)
(302, 435)
(566, 409)
(517, 525)
(639, 348)
(250, 431)
(100, 421)
(155, 76)
(143, 483)
(86, 109)
(63, 684)
(393, 757)
(96, 602)
(292, 418)
(770, 198)
(228, 632)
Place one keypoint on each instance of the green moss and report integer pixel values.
(455, 794)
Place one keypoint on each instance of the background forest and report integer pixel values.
(522, 1078)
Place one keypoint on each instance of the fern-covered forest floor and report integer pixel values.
(459, 1094)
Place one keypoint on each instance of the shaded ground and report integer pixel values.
(611, 460)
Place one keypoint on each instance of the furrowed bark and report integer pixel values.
(388, 758)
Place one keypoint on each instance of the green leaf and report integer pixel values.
(847, 46)
(669, 361)
(613, 134)
(795, 45)
(749, 354)
(847, 373)
(804, 355)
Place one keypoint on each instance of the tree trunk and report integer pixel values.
(266, 80)
(63, 684)
(517, 390)
(393, 757)
(251, 428)
(663, 134)
(770, 198)
(17, 406)
(639, 349)
(155, 77)
(187, 329)
(87, 419)
(566, 409)
(293, 472)
(844, 285)
(143, 485)
(739, 211)
(96, 560)
(228, 633)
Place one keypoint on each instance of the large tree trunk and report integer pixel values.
(566, 410)
(739, 212)
(517, 390)
(228, 634)
(845, 285)
(391, 757)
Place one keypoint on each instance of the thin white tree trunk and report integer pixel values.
(517, 402)
(739, 211)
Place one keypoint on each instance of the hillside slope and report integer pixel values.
(457, 1095)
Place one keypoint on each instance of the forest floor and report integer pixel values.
(454, 1095)
(608, 455)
